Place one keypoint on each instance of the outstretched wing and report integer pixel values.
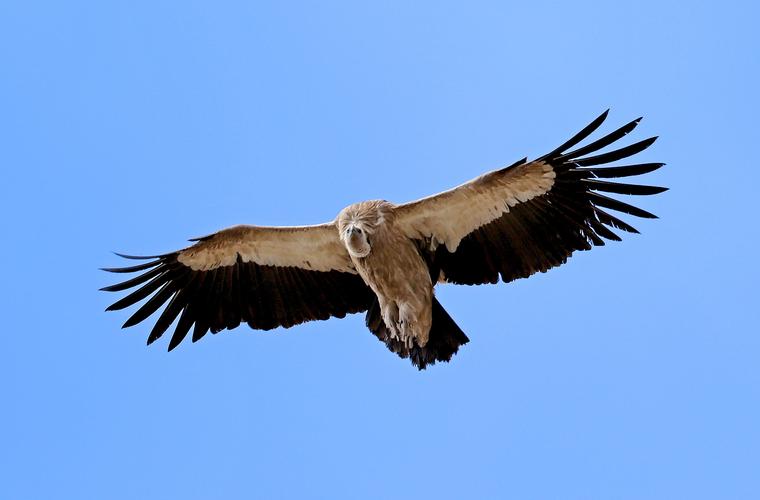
(530, 216)
(264, 276)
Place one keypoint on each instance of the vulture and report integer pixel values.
(386, 259)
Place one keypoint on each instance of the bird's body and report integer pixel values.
(393, 269)
(386, 259)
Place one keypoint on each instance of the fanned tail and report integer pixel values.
(445, 337)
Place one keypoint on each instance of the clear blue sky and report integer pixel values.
(632, 372)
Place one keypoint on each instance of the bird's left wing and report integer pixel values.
(530, 216)
(264, 276)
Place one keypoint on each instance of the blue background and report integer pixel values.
(630, 372)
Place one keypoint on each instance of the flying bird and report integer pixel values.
(386, 259)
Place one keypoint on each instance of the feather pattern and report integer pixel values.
(531, 216)
(221, 281)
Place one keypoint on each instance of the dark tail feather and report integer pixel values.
(445, 337)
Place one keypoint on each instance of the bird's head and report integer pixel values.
(359, 223)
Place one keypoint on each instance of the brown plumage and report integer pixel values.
(386, 259)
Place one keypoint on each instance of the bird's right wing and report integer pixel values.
(264, 276)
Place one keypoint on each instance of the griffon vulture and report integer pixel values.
(386, 259)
